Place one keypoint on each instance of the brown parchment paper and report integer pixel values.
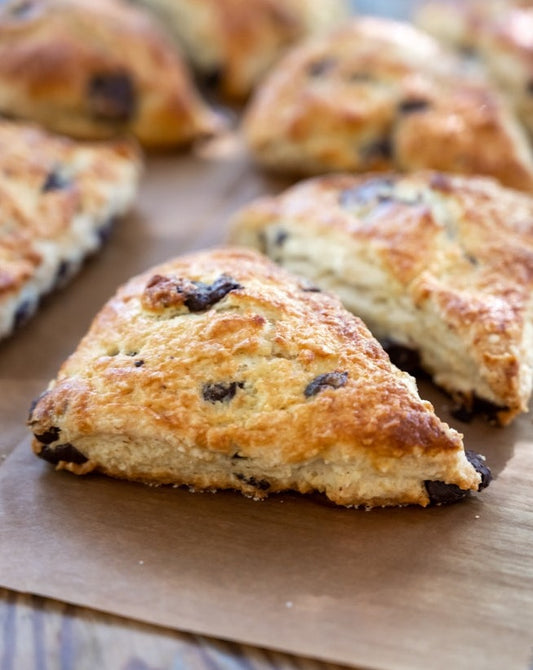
(447, 587)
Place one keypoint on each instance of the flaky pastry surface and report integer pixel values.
(221, 370)
(439, 263)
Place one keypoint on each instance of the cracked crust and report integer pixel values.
(58, 199)
(234, 43)
(270, 387)
(439, 263)
(94, 69)
(377, 95)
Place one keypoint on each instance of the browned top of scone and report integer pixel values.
(46, 183)
(94, 68)
(378, 94)
(462, 243)
(225, 351)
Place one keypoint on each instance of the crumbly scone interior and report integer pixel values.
(271, 386)
(447, 274)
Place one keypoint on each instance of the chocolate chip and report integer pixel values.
(24, 9)
(213, 77)
(380, 149)
(332, 380)
(104, 232)
(111, 97)
(310, 288)
(403, 357)
(467, 407)
(23, 312)
(321, 67)
(63, 452)
(413, 105)
(380, 189)
(206, 295)
(480, 466)
(49, 436)
(441, 493)
(62, 273)
(260, 484)
(237, 456)
(54, 182)
(220, 391)
(281, 237)
(139, 363)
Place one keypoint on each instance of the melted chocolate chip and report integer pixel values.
(139, 363)
(281, 237)
(467, 408)
(49, 436)
(413, 105)
(206, 295)
(213, 77)
(321, 67)
(380, 189)
(441, 493)
(381, 149)
(480, 466)
(111, 97)
(104, 232)
(332, 380)
(62, 452)
(260, 484)
(220, 391)
(23, 313)
(54, 182)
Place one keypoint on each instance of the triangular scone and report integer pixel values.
(222, 370)
(438, 263)
(495, 33)
(58, 200)
(233, 42)
(96, 68)
(377, 95)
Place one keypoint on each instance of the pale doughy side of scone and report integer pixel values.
(235, 42)
(58, 200)
(380, 95)
(221, 370)
(95, 69)
(440, 264)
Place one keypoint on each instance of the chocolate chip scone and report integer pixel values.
(440, 264)
(498, 34)
(376, 95)
(233, 43)
(58, 199)
(94, 69)
(221, 370)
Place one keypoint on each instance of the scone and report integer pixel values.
(58, 199)
(220, 370)
(376, 95)
(440, 264)
(94, 69)
(499, 34)
(234, 42)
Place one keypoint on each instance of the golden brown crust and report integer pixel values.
(499, 34)
(252, 369)
(58, 197)
(94, 69)
(376, 95)
(236, 42)
(440, 263)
